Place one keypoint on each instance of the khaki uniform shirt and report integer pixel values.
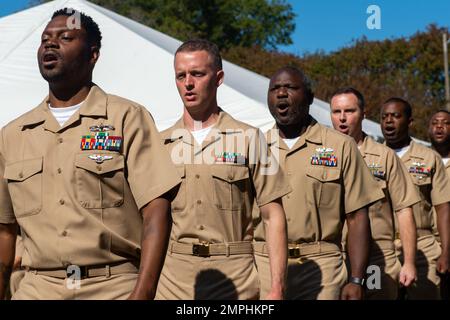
(79, 206)
(322, 193)
(428, 174)
(393, 178)
(447, 169)
(221, 179)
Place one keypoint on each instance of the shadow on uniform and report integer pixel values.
(386, 282)
(212, 284)
(422, 272)
(304, 285)
(445, 286)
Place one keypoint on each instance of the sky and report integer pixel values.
(329, 24)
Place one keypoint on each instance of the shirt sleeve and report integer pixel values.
(440, 190)
(402, 191)
(360, 187)
(151, 172)
(269, 180)
(6, 209)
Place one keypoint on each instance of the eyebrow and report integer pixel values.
(58, 29)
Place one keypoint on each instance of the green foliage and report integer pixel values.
(248, 32)
(227, 23)
(411, 68)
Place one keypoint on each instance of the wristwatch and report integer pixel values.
(356, 280)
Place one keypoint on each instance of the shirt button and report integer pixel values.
(61, 201)
(199, 201)
(230, 178)
(197, 176)
(201, 227)
(59, 170)
(64, 233)
(99, 168)
(60, 140)
(288, 196)
(21, 175)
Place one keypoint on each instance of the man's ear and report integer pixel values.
(95, 54)
(410, 122)
(220, 77)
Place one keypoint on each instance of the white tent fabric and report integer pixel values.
(136, 62)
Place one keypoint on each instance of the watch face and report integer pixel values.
(358, 281)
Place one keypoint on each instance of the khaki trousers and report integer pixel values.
(427, 286)
(310, 277)
(390, 267)
(16, 278)
(188, 277)
(40, 287)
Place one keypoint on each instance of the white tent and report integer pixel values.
(136, 62)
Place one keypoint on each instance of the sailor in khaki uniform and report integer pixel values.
(330, 184)
(86, 191)
(221, 162)
(439, 133)
(428, 174)
(347, 114)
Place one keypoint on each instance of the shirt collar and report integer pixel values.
(95, 104)
(312, 134)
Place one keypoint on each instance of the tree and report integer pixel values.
(410, 68)
(248, 32)
(228, 23)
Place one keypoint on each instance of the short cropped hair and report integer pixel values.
(203, 45)
(356, 93)
(406, 104)
(94, 35)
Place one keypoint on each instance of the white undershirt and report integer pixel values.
(63, 114)
(290, 142)
(200, 135)
(445, 160)
(401, 151)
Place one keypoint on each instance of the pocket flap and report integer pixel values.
(108, 163)
(22, 170)
(421, 180)
(323, 173)
(230, 173)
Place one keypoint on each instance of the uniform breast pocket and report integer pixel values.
(326, 185)
(25, 186)
(179, 202)
(422, 182)
(100, 184)
(231, 184)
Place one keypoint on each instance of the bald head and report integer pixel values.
(296, 72)
(289, 96)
